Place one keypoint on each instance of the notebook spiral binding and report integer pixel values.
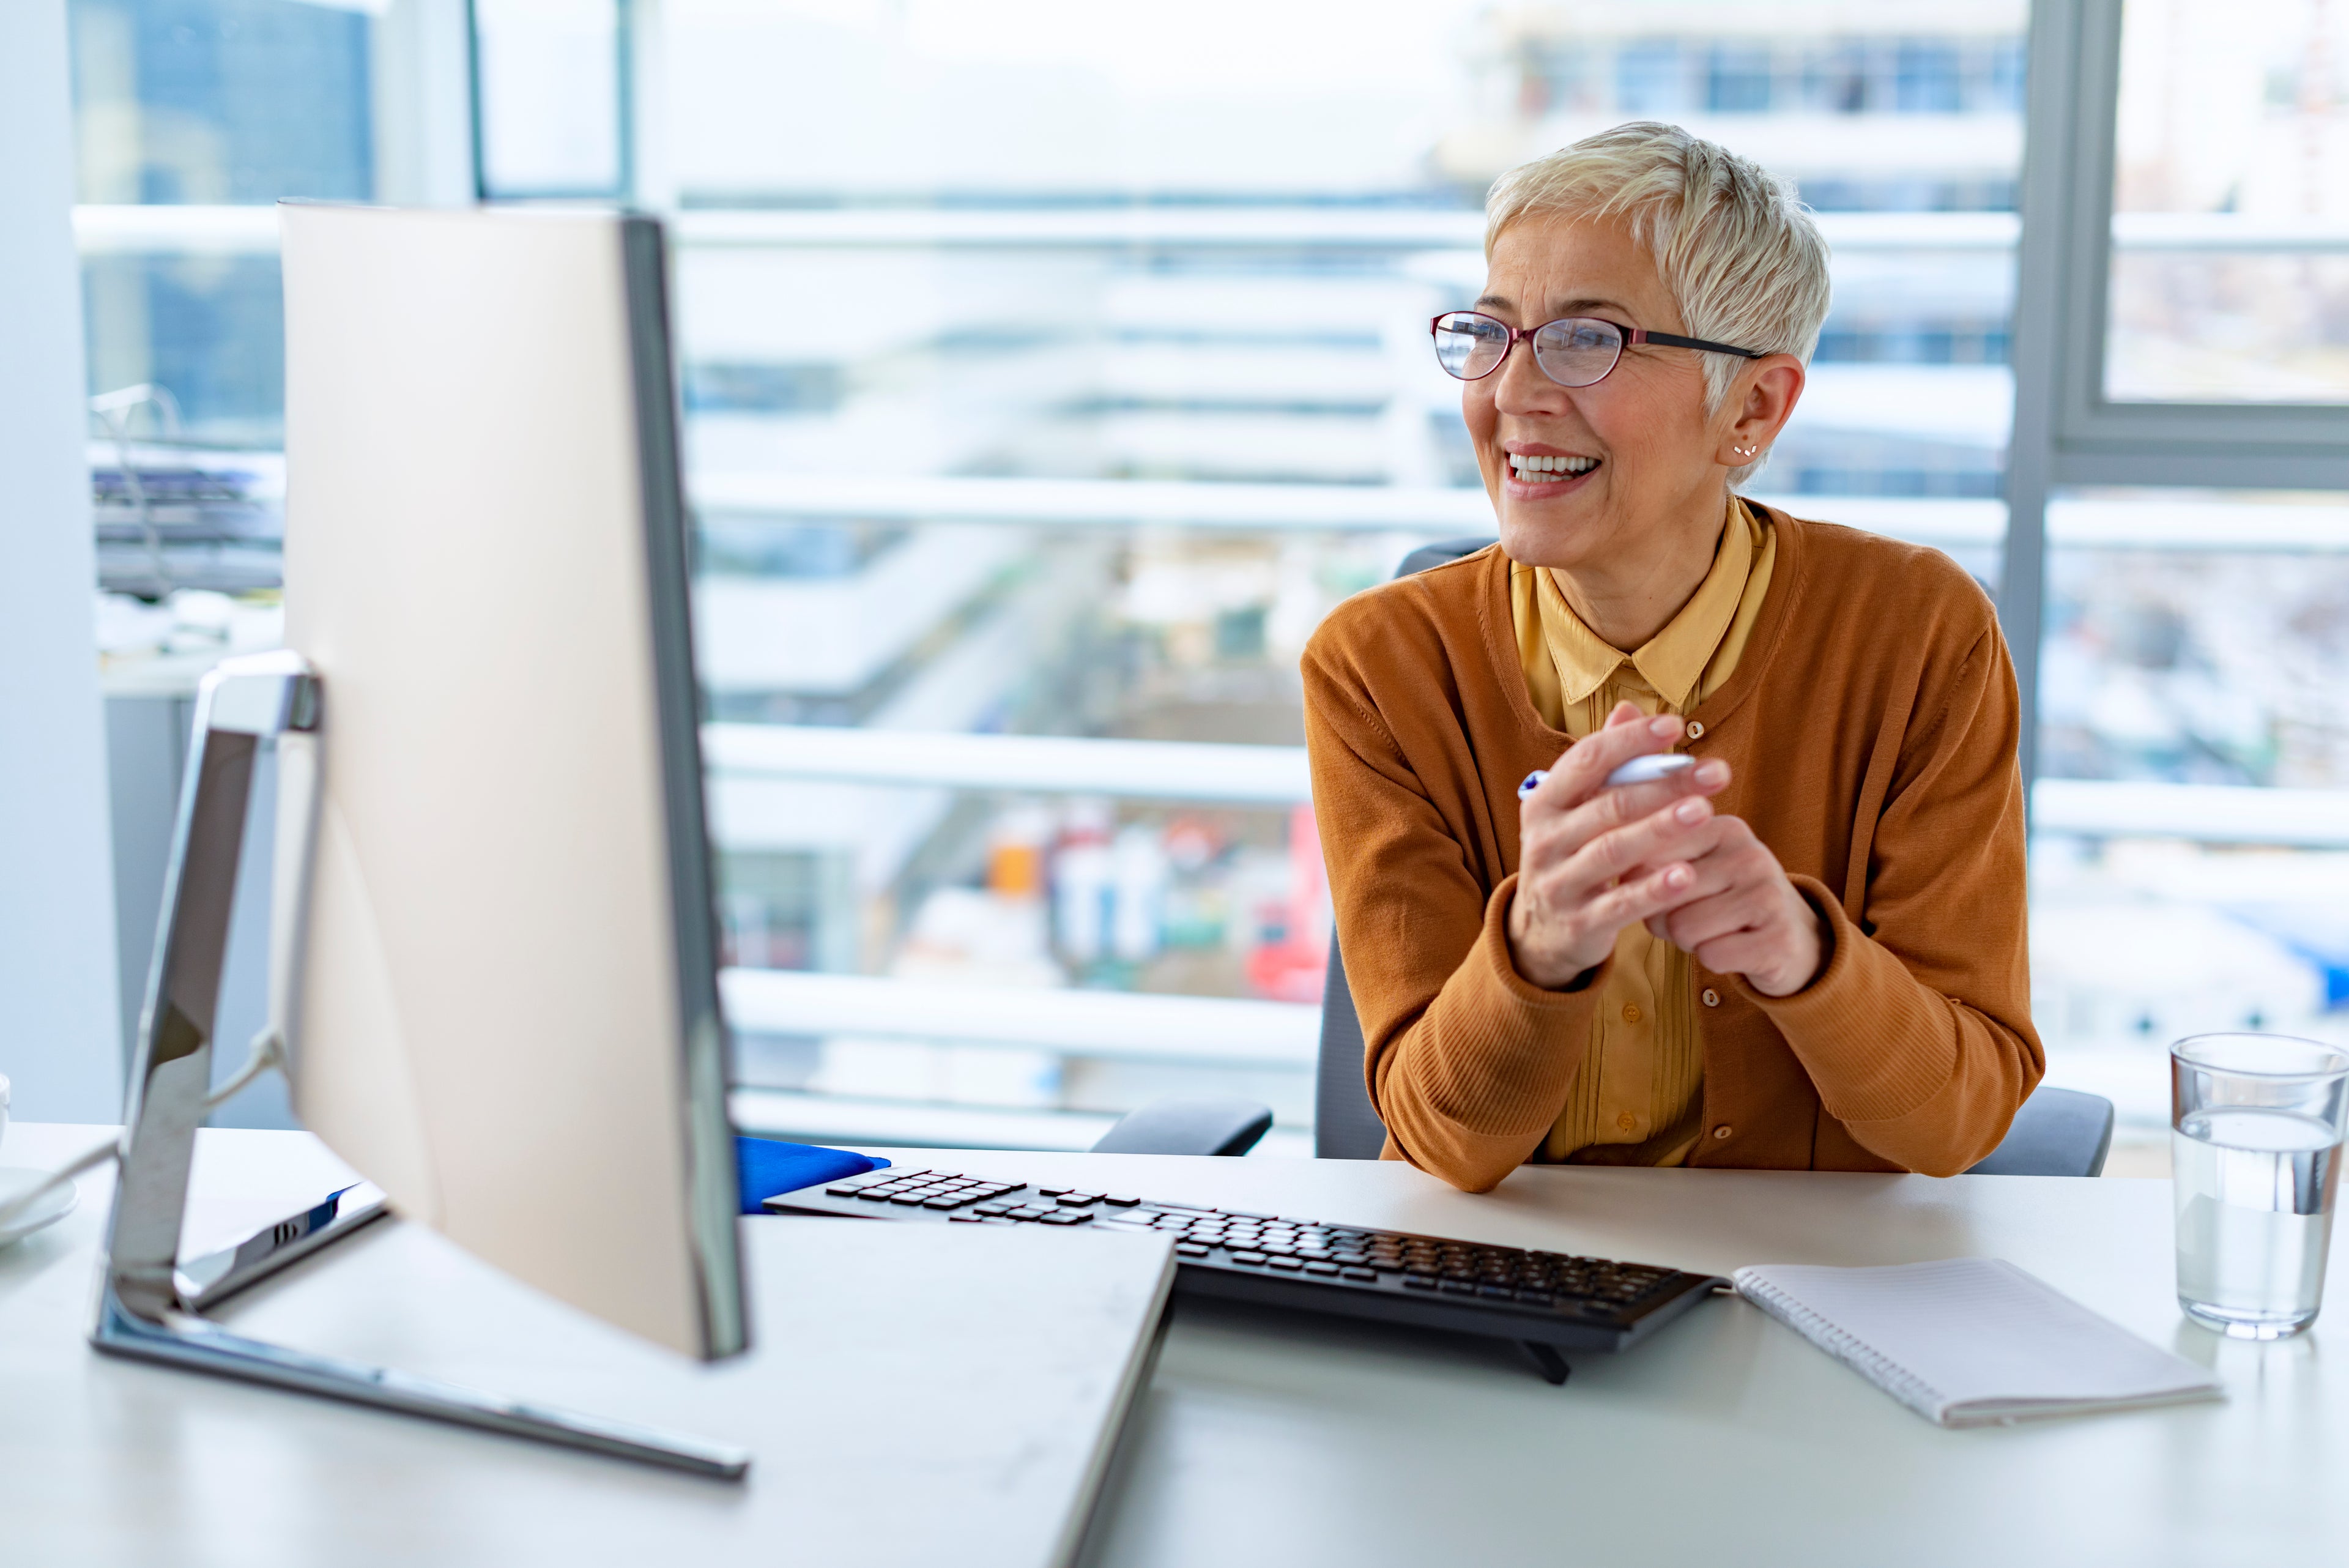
(1886, 1374)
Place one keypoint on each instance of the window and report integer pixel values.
(550, 88)
(1049, 371)
(2174, 582)
(1028, 450)
(210, 103)
(2230, 205)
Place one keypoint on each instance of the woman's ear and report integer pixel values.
(1764, 400)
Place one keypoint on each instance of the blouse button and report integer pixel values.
(1695, 731)
(1721, 1132)
(1711, 997)
(1626, 1121)
(1630, 1013)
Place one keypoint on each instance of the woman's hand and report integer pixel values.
(1592, 860)
(1740, 915)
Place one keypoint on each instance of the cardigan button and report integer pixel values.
(1711, 997)
(1721, 1132)
(1695, 731)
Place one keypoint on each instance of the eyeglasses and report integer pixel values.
(1573, 351)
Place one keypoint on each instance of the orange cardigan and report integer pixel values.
(1872, 728)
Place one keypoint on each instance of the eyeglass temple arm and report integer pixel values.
(1674, 340)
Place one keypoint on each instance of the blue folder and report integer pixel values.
(767, 1165)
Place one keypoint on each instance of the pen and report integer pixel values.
(1639, 770)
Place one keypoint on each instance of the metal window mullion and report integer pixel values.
(2039, 337)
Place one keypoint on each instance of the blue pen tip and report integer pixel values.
(1533, 782)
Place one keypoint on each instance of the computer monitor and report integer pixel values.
(507, 1004)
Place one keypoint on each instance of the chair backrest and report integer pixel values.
(2058, 1132)
(1345, 1124)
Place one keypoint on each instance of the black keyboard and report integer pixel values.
(1546, 1301)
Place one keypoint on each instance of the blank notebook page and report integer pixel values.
(1971, 1340)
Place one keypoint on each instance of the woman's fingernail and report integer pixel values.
(1678, 876)
(1713, 772)
(1692, 811)
(1663, 729)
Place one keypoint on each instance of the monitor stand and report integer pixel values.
(151, 1304)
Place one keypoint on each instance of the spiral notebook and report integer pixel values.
(1970, 1341)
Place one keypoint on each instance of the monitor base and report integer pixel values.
(189, 1342)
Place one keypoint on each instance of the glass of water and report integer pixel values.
(2255, 1149)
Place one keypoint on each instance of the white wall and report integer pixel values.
(59, 1039)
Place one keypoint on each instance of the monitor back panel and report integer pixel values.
(508, 1015)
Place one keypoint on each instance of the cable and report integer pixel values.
(268, 1051)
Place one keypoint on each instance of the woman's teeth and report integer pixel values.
(1548, 470)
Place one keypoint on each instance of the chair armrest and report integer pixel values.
(1188, 1126)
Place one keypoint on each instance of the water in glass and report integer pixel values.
(2255, 1189)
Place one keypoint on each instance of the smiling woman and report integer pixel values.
(1805, 951)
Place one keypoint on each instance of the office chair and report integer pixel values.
(2057, 1132)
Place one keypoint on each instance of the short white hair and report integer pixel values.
(1738, 250)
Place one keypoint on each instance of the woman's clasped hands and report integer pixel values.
(1593, 860)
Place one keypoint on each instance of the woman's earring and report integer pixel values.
(1743, 451)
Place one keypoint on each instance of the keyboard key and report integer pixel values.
(912, 1200)
(1495, 1293)
(1538, 1298)
(1363, 1275)
(1192, 1250)
(1116, 1201)
(965, 1220)
(951, 1201)
(1329, 1270)
(1458, 1287)
(1253, 1260)
(1292, 1264)
(1077, 1199)
(1244, 1214)
(1420, 1282)
(1066, 1217)
(841, 1191)
(1053, 1191)
(992, 1209)
(877, 1194)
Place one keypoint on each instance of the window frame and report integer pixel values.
(2065, 430)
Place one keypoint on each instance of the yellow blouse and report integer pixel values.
(1637, 1099)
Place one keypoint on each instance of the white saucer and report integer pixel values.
(17, 1178)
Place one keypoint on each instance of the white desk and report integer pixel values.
(1279, 1439)
(916, 1399)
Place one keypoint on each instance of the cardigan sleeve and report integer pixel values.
(1467, 1062)
(1917, 1031)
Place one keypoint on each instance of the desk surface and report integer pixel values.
(1279, 1439)
(1271, 1437)
(913, 1399)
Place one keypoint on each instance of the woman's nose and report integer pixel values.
(1521, 388)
